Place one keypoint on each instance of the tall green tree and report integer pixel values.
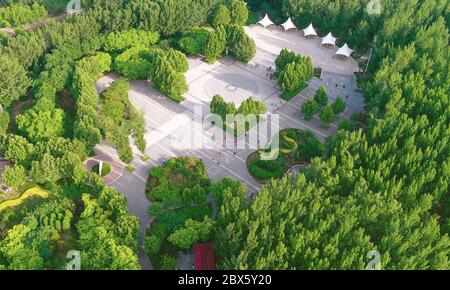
(239, 12)
(14, 81)
(221, 16)
(14, 177)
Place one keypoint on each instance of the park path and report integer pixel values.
(29, 27)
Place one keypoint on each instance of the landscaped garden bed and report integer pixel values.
(177, 192)
(296, 147)
(106, 169)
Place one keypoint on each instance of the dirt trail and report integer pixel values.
(29, 27)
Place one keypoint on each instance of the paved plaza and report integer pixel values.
(271, 41)
(170, 126)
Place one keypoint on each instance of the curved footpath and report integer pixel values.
(29, 27)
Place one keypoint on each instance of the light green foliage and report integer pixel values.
(252, 106)
(86, 73)
(16, 149)
(14, 177)
(4, 122)
(120, 119)
(194, 40)
(327, 115)
(309, 108)
(108, 234)
(168, 262)
(13, 80)
(293, 71)
(19, 14)
(321, 97)
(177, 60)
(222, 108)
(338, 106)
(241, 45)
(41, 124)
(46, 170)
(121, 41)
(239, 12)
(133, 63)
(19, 255)
(152, 244)
(221, 16)
(174, 178)
(169, 81)
(216, 44)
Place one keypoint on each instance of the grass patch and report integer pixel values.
(106, 169)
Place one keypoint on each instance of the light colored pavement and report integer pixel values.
(271, 41)
(117, 167)
(177, 130)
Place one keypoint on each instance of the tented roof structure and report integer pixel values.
(266, 21)
(345, 51)
(329, 39)
(288, 24)
(310, 31)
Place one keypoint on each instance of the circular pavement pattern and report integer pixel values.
(232, 87)
(117, 167)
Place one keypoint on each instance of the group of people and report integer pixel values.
(270, 73)
(277, 107)
(343, 86)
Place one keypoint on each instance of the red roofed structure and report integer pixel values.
(204, 256)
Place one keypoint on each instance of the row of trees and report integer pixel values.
(120, 119)
(231, 12)
(87, 71)
(168, 75)
(167, 17)
(177, 192)
(384, 189)
(53, 6)
(319, 103)
(108, 234)
(105, 233)
(45, 161)
(118, 42)
(247, 107)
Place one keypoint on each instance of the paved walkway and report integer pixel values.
(175, 130)
(117, 167)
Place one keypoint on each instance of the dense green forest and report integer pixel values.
(384, 188)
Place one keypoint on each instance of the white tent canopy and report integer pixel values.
(266, 21)
(310, 31)
(288, 24)
(329, 39)
(345, 51)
